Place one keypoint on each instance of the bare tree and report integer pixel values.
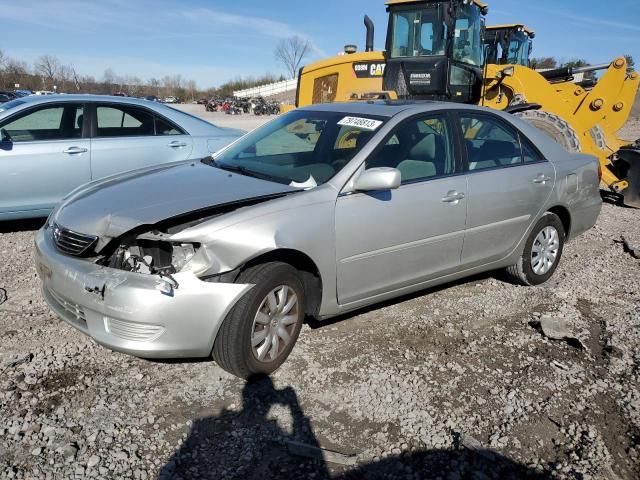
(64, 76)
(134, 86)
(15, 72)
(191, 87)
(48, 68)
(109, 76)
(154, 83)
(2, 72)
(290, 52)
(74, 77)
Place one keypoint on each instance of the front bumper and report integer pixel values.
(127, 311)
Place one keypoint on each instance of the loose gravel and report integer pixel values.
(455, 382)
(455, 379)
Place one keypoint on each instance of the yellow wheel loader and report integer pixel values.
(435, 50)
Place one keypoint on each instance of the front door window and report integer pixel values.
(59, 122)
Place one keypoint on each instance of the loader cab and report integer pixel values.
(508, 44)
(434, 49)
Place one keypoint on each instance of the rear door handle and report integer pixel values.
(75, 150)
(453, 197)
(177, 144)
(541, 178)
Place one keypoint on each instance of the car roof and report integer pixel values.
(82, 97)
(192, 124)
(391, 108)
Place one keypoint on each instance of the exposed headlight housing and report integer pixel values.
(182, 255)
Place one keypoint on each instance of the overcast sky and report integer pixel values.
(213, 41)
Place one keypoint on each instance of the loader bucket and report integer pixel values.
(630, 156)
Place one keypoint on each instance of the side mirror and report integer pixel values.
(377, 179)
(4, 136)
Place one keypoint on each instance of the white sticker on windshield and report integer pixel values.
(364, 123)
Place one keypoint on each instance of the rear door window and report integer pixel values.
(124, 121)
(529, 153)
(490, 143)
(55, 122)
(163, 127)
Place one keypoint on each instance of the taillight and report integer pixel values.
(599, 171)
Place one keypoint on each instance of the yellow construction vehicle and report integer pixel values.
(435, 51)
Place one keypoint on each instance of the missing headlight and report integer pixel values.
(152, 256)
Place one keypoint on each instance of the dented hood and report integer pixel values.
(116, 205)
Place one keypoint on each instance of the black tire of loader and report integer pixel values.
(554, 126)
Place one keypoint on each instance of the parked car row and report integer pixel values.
(324, 210)
(7, 95)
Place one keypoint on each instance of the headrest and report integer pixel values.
(425, 149)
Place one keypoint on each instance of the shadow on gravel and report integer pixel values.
(247, 445)
(614, 199)
(31, 224)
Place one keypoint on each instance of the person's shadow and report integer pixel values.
(248, 445)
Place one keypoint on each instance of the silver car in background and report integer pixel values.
(49, 145)
(322, 211)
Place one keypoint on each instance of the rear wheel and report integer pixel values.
(554, 126)
(260, 331)
(542, 252)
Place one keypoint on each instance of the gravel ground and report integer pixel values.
(631, 131)
(455, 382)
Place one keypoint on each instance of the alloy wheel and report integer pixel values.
(274, 323)
(544, 251)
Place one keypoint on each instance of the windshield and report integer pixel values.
(11, 104)
(467, 44)
(418, 33)
(518, 52)
(302, 148)
(507, 47)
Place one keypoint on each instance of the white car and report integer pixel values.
(170, 99)
(44, 92)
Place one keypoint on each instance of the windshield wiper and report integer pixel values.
(249, 173)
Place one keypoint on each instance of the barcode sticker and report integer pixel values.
(364, 123)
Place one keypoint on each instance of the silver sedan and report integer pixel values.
(51, 144)
(322, 211)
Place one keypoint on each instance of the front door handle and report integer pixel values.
(541, 179)
(75, 150)
(453, 197)
(177, 144)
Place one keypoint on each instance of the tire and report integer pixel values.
(597, 134)
(233, 349)
(554, 126)
(525, 272)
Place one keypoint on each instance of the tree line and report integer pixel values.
(49, 73)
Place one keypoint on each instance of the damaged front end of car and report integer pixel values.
(152, 249)
(144, 292)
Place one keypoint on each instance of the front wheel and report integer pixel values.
(260, 331)
(542, 252)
